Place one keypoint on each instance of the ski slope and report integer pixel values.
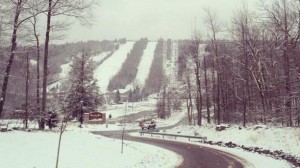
(145, 64)
(111, 66)
(66, 68)
(100, 57)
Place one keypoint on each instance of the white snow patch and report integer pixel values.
(65, 70)
(112, 65)
(79, 149)
(33, 62)
(118, 110)
(249, 160)
(145, 64)
(100, 57)
(271, 138)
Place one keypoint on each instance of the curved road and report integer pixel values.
(194, 156)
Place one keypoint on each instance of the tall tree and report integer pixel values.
(76, 9)
(118, 97)
(283, 16)
(195, 62)
(15, 8)
(241, 23)
(211, 21)
(84, 95)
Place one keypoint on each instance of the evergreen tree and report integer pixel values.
(118, 97)
(84, 95)
(130, 97)
(136, 94)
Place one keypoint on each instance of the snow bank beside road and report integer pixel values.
(271, 138)
(79, 149)
(249, 160)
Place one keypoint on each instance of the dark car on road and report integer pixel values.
(147, 125)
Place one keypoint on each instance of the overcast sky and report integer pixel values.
(134, 19)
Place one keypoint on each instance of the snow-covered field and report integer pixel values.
(79, 149)
(112, 65)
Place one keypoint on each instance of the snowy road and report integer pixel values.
(194, 156)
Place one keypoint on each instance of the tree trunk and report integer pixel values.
(26, 90)
(189, 100)
(287, 69)
(246, 83)
(218, 98)
(199, 93)
(38, 55)
(45, 73)
(206, 91)
(58, 149)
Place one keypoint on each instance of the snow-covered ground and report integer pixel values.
(79, 149)
(272, 138)
(250, 160)
(112, 65)
(106, 152)
(100, 57)
(170, 66)
(118, 110)
(65, 69)
(145, 64)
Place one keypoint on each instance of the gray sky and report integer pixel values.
(134, 19)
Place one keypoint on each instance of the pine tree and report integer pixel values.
(84, 95)
(130, 96)
(118, 97)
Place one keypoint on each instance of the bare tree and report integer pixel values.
(283, 16)
(36, 35)
(189, 100)
(77, 9)
(196, 64)
(19, 7)
(210, 20)
(241, 26)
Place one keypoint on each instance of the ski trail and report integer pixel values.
(111, 66)
(145, 64)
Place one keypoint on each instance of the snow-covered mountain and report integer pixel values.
(111, 66)
(145, 64)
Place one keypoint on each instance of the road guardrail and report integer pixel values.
(173, 135)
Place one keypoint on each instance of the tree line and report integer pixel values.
(250, 77)
(21, 24)
(128, 71)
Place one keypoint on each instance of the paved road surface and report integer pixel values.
(194, 156)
